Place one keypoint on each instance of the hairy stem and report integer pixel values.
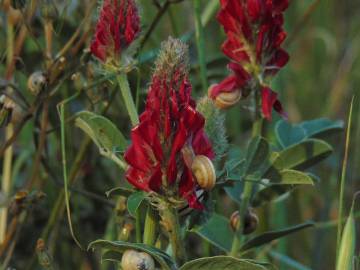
(170, 221)
(128, 99)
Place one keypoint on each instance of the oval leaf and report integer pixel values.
(119, 191)
(267, 237)
(221, 262)
(288, 134)
(299, 156)
(217, 231)
(271, 193)
(322, 127)
(257, 154)
(163, 259)
(292, 177)
(102, 131)
(134, 201)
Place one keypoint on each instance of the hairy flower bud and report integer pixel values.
(117, 27)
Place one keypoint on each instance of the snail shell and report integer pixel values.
(133, 260)
(204, 172)
(225, 100)
(251, 221)
(36, 82)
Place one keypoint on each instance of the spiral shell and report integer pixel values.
(226, 99)
(36, 82)
(133, 260)
(251, 221)
(204, 172)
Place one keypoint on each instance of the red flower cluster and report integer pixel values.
(117, 27)
(169, 127)
(254, 30)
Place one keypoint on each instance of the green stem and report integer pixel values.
(150, 227)
(138, 226)
(248, 185)
(128, 99)
(200, 42)
(170, 221)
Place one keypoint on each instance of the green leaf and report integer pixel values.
(163, 259)
(281, 183)
(119, 191)
(347, 245)
(299, 156)
(288, 134)
(217, 231)
(322, 127)
(104, 134)
(112, 256)
(221, 262)
(292, 177)
(267, 237)
(134, 201)
(271, 193)
(235, 190)
(257, 154)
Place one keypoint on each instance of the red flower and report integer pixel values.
(117, 27)
(255, 33)
(169, 127)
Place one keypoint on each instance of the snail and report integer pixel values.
(133, 260)
(251, 221)
(36, 82)
(204, 172)
(227, 99)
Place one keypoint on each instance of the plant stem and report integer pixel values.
(170, 221)
(9, 131)
(128, 99)
(150, 227)
(257, 130)
(200, 42)
(138, 226)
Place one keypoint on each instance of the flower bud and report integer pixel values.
(204, 172)
(45, 259)
(251, 221)
(133, 260)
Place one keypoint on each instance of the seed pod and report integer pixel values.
(133, 260)
(204, 172)
(251, 221)
(36, 82)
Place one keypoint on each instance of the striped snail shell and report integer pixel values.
(251, 221)
(36, 82)
(225, 100)
(133, 260)
(204, 172)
